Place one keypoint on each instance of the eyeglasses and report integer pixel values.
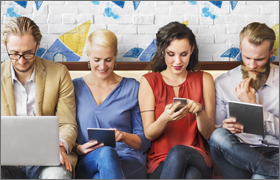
(26, 56)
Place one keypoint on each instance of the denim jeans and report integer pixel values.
(182, 162)
(104, 163)
(35, 172)
(240, 161)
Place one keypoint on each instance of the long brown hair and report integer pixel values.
(164, 36)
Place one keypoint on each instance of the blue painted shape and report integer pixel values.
(272, 58)
(231, 52)
(38, 4)
(11, 12)
(217, 3)
(59, 47)
(134, 52)
(193, 2)
(233, 4)
(136, 4)
(207, 13)
(95, 2)
(119, 3)
(22, 3)
(147, 55)
(238, 57)
(59, 53)
(40, 52)
(109, 12)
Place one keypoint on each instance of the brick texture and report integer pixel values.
(136, 28)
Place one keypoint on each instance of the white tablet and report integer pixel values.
(102, 135)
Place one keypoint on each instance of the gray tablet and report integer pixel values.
(106, 136)
(249, 115)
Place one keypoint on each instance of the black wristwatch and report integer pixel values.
(199, 111)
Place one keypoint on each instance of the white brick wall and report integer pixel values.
(137, 28)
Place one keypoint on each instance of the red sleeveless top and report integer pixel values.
(184, 131)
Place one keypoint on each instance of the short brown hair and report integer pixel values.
(257, 33)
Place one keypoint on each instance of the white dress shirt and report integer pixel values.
(25, 97)
(267, 96)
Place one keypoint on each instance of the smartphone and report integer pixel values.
(183, 103)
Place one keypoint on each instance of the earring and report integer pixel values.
(115, 64)
(89, 64)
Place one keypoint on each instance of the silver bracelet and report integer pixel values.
(199, 111)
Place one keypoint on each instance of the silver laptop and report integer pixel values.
(30, 140)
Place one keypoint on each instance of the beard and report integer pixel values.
(31, 65)
(258, 79)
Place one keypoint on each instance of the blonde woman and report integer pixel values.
(107, 100)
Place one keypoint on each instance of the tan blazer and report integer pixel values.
(54, 95)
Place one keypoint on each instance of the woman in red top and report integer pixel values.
(177, 138)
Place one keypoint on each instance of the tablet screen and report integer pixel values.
(106, 136)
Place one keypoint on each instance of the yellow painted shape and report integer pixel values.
(186, 22)
(75, 39)
(276, 43)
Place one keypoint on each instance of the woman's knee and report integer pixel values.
(178, 150)
(107, 152)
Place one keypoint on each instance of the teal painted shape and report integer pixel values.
(95, 2)
(207, 13)
(193, 2)
(11, 12)
(108, 11)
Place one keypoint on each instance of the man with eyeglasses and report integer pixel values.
(32, 86)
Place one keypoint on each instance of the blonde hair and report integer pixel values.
(257, 33)
(20, 26)
(104, 38)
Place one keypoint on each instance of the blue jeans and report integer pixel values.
(35, 172)
(104, 163)
(182, 162)
(240, 161)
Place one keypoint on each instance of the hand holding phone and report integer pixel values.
(183, 102)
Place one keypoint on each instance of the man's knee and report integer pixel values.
(58, 172)
(219, 137)
(258, 176)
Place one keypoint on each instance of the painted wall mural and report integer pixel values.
(207, 19)
(234, 52)
(69, 46)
